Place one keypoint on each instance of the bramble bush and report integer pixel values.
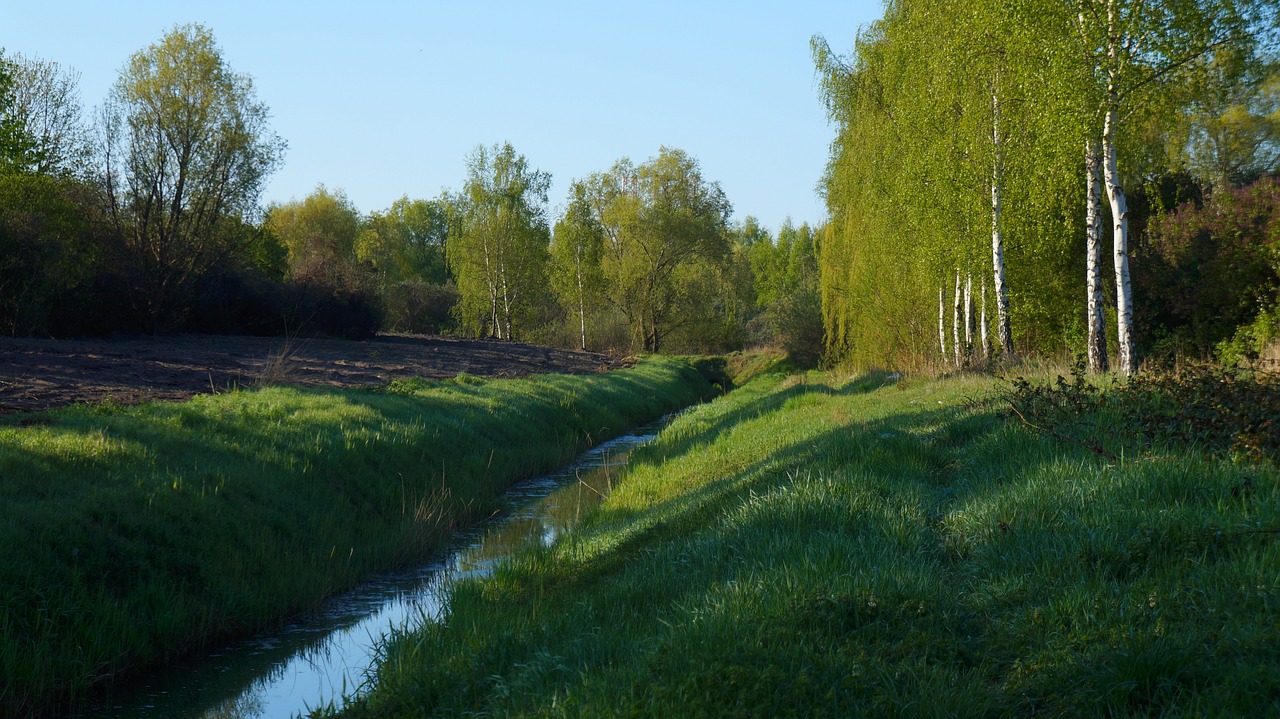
(1219, 409)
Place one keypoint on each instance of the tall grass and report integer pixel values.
(131, 535)
(804, 547)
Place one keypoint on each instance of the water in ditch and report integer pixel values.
(310, 662)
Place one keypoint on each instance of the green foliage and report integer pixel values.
(1216, 267)
(134, 535)
(407, 241)
(810, 547)
(941, 105)
(319, 231)
(1230, 132)
(338, 294)
(47, 250)
(15, 145)
(786, 305)
(577, 247)
(667, 248)
(497, 249)
(909, 183)
(187, 149)
(1251, 341)
(46, 107)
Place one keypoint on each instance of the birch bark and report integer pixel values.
(968, 318)
(955, 319)
(942, 322)
(1003, 330)
(1097, 342)
(1120, 233)
(982, 323)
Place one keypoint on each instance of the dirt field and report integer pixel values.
(40, 374)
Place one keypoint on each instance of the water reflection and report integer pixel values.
(312, 662)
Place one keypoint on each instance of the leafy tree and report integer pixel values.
(186, 150)
(404, 247)
(766, 260)
(319, 234)
(49, 245)
(665, 225)
(955, 119)
(336, 293)
(497, 249)
(13, 142)
(407, 241)
(576, 248)
(1132, 48)
(1231, 129)
(46, 105)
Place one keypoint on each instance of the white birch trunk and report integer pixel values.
(1003, 330)
(982, 323)
(968, 318)
(955, 319)
(504, 293)
(1120, 216)
(582, 311)
(942, 322)
(1097, 342)
(490, 281)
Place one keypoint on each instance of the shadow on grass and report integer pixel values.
(1030, 610)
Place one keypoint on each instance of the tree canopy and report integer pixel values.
(498, 249)
(187, 148)
(956, 179)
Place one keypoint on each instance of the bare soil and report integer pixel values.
(42, 374)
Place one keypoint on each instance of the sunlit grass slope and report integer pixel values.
(130, 535)
(804, 548)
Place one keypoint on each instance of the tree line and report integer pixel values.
(148, 219)
(991, 156)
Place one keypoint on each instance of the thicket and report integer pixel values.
(1211, 408)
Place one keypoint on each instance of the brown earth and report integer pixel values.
(41, 374)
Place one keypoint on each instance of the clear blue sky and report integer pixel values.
(384, 99)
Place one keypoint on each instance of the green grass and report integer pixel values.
(804, 547)
(131, 535)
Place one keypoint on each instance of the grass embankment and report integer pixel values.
(131, 535)
(799, 548)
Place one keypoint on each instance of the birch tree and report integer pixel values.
(576, 248)
(14, 143)
(1132, 48)
(498, 251)
(1097, 337)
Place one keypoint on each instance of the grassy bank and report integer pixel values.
(804, 548)
(131, 535)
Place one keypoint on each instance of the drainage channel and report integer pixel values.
(320, 658)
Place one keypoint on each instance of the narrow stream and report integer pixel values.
(315, 660)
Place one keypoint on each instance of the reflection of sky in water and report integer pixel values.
(321, 658)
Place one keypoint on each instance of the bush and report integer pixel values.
(1214, 267)
(419, 307)
(239, 302)
(1219, 409)
(334, 298)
